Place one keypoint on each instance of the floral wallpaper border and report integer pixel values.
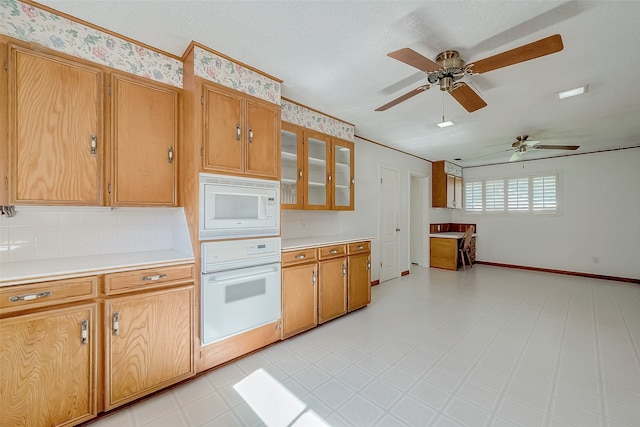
(220, 70)
(298, 115)
(29, 23)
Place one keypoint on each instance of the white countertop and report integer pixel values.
(308, 242)
(449, 235)
(13, 273)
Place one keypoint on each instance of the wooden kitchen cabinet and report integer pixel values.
(56, 129)
(317, 170)
(359, 277)
(299, 293)
(444, 253)
(446, 188)
(241, 134)
(48, 353)
(148, 334)
(332, 287)
(144, 139)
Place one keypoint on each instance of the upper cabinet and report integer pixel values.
(241, 134)
(446, 189)
(317, 170)
(56, 138)
(59, 154)
(144, 135)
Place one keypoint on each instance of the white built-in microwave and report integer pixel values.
(234, 207)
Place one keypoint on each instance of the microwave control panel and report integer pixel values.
(271, 207)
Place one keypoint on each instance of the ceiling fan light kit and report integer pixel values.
(448, 68)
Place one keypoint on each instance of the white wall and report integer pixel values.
(363, 221)
(597, 230)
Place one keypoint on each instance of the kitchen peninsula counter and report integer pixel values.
(444, 249)
(310, 242)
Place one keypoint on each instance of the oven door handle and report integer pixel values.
(241, 274)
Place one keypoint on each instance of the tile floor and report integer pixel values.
(483, 347)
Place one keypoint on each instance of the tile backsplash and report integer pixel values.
(58, 232)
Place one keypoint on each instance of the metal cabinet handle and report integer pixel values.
(303, 256)
(30, 297)
(153, 278)
(237, 132)
(333, 251)
(329, 178)
(300, 173)
(170, 154)
(344, 270)
(313, 277)
(250, 135)
(115, 324)
(369, 264)
(359, 247)
(84, 332)
(93, 144)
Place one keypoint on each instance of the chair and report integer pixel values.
(465, 246)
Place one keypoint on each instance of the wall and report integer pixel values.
(597, 230)
(57, 232)
(363, 221)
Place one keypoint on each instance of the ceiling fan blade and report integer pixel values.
(542, 47)
(467, 97)
(413, 58)
(403, 98)
(555, 147)
(516, 156)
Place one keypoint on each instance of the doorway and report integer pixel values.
(418, 220)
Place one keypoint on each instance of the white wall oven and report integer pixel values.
(238, 207)
(240, 286)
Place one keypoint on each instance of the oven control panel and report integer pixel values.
(262, 248)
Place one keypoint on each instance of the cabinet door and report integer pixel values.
(359, 281)
(299, 299)
(292, 166)
(332, 291)
(342, 182)
(317, 165)
(56, 130)
(451, 195)
(263, 139)
(144, 138)
(149, 343)
(457, 190)
(223, 131)
(48, 367)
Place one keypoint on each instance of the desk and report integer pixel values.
(444, 249)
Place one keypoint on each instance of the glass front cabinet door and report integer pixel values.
(318, 177)
(292, 164)
(343, 181)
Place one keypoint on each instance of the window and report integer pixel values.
(473, 196)
(518, 189)
(494, 195)
(544, 193)
(538, 193)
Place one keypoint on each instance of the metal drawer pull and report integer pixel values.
(250, 135)
(333, 251)
(169, 154)
(237, 132)
(30, 296)
(115, 322)
(303, 256)
(152, 278)
(313, 278)
(84, 335)
(93, 144)
(359, 247)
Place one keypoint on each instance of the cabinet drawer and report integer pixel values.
(332, 251)
(148, 278)
(43, 294)
(301, 256)
(359, 247)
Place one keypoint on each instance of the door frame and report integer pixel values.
(421, 206)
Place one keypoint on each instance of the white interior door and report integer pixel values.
(388, 224)
(415, 217)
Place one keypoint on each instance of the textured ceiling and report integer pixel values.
(332, 57)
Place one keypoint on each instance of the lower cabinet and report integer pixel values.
(48, 358)
(322, 283)
(149, 343)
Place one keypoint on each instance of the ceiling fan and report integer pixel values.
(522, 144)
(449, 68)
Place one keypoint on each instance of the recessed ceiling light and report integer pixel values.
(444, 124)
(572, 92)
